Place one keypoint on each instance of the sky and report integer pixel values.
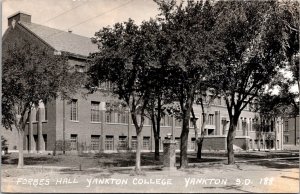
(83, 17)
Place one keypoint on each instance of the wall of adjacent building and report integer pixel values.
(291, 131)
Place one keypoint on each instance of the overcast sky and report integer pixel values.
(68, 14)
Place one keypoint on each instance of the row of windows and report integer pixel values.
(113, 117)
(122, 142)
(122, 117)
(218, 100)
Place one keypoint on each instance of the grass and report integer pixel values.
(105, 160)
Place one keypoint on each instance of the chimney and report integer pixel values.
(19, 16)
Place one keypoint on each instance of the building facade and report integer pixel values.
(85, 124)
(291, 131)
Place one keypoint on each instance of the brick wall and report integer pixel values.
(214, 143)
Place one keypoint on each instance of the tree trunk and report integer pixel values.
(230, 139)
(138, 152)
(199, 151)
(275, 131)
(21, 154)
(201, 139)
(184, 140)
(157, 134)
(156, 154)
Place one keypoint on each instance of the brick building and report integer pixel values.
(291, 131)
(85, 124)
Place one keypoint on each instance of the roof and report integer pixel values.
(61, 40)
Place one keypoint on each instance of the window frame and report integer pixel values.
(74, 114)
(95, 112)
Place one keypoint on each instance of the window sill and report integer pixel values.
(94, 122)
(117, 123)
(74, 121)
(33, 122)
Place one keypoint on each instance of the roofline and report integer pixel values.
(66, 52)
(75, 55)
(35, 35)
(18, 13)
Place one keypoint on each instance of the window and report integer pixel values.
(45, 113)
(122, 144)
(177, 139)
(133, 142)
(244, 124)
(37, 114)
(178, 123)
(255, 125)
(107, 85)
(108, 117)
(218, 100)
(210, 99)
(240, 124)
(146, 143)
(122, 117)
(74, 143)
(169, 120)
(192, 123)
(286, 125)
(211, 119)
(95, 111)
(74, 110)
(192, 143)
(45, 140)
(147, 121)
(109, 142)
(286, 139)
(80, 68)
(95, 139)
(250, 106)
(166, 121)
(250, 124)
(210, 131)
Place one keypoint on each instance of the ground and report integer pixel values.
(253, 172)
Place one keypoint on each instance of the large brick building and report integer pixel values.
(291, 130)
(86, 125)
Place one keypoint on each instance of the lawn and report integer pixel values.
(98, 166)
(108, 160)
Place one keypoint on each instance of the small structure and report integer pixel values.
(169, 153)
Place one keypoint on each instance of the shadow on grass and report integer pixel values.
(31, 160)
(125, 159)
(252, 155)
(230, 187)
(279, 164)
(71, 171)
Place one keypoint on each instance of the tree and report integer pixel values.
(155, 112)
(124, 59)
(190, 52)
(160, 96)
(255, 45)
(270, 107)
(30, 75)
(205, 102)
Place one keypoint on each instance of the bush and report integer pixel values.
(4, 145)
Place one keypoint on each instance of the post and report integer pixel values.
(169, 154)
